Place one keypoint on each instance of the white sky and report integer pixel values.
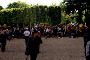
(4, 3)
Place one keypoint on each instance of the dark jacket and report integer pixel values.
(33, 45)
(3, 38)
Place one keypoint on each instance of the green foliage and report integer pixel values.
(20, 13)
(55, 14)
(80, 5)
(24, 14)
(1, 7)
(63, 6)
(10, 16)
(18, 5)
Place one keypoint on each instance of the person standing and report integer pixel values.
(87, 42)
(3, 39)
(88, 51)
(33, 46)
(26, 35)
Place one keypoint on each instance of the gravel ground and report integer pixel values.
(51, 49)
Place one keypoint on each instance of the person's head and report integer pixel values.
(35, 33)
(26, 28)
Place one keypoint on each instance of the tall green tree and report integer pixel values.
(80, 5)
(55, 14)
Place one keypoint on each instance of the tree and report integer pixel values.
(74, 5)
(55, 14)
(18, 5)
(80, 5)
(1, 7)
(63, 6)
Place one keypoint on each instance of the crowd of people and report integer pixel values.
(33, 34)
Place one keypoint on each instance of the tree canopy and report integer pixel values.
(30, 15)
(18, 5)
(20, 13)
(1, 7)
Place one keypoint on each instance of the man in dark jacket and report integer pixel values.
(3, 40)
(33, 46)
(88, 44)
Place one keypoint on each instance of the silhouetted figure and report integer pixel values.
(87, 42)
(33, 45)
(3, 40)
(88, 51)
(85, 38)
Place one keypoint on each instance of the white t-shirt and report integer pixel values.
(47, 30)
(26, 33)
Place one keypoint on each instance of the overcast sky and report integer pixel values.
(4, 3)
